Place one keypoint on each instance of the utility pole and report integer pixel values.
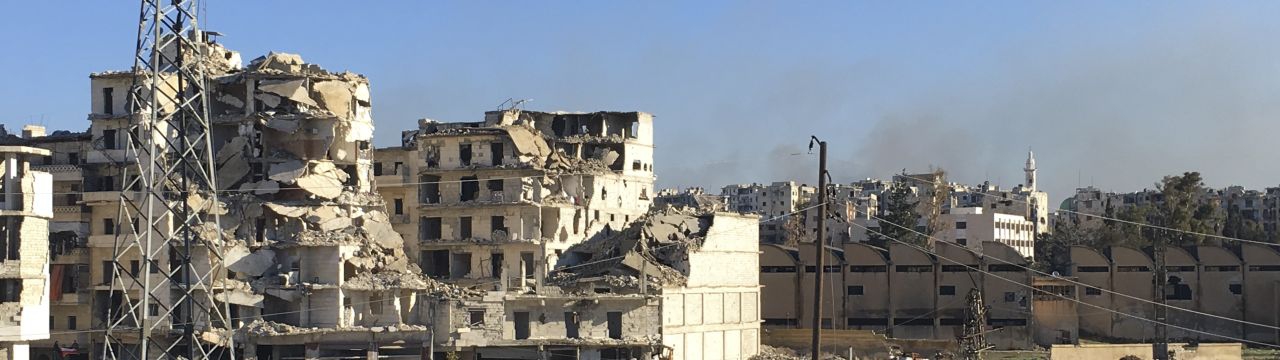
(819, 251)
(1160, 349)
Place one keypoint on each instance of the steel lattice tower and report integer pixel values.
(974, 339)
(165, 308)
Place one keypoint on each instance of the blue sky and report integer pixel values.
(1111, 94)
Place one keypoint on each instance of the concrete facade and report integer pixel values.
(971, 227)
(1207, 279)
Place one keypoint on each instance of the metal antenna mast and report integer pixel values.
(974, 340)
(162, 304)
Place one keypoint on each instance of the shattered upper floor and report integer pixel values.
(596, 142)
(666, 247)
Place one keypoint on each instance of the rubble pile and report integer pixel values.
(777, 353)
(293, 159)
(411, 281)
(271, 328)
(656, 246)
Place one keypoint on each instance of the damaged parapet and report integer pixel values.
(694, 197)
(305, 237)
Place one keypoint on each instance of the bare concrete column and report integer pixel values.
(12, 183)
(249, 102)
(372, 352)
(250, 349)
(312, 352)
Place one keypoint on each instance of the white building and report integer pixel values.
(971, 226)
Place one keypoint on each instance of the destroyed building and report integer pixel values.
(310, 224)
(674, 285)
(314, 250)
(25, 211)
(694, 197)
(502, 198)
(305, 239)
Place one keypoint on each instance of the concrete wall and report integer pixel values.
(716, 315)
(1143, 351)
(906, 292)
(1219, 282)
(779, 279)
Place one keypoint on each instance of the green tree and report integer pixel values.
(1237, 226)
(1183, 210)
(898, 218)
(1121, 228)
(1053, 250)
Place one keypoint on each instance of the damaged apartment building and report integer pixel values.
(497, 202)
(675, 284)
(549, 214)
(502, 218)
(311, 264)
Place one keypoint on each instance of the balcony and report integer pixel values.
(101, 196)
(109, 156)
(73, 298)
(64, 172)
(392, 179)
(68, 213)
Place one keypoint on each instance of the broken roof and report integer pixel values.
(656, 246)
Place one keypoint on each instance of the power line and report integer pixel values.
(344, 186)
(575, 266)
(1065, 297)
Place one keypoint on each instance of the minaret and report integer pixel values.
(1031, 171)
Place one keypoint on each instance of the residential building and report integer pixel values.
(974, 226)
(71, 288)
(774, 203)
(512, 192)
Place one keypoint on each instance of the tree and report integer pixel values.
(939, 194)
(1183, 211)
(794, 228)
(898, 218)
(1237, 226)
(1053, 250)
(1124, 229)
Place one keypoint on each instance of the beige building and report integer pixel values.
(771, 202)
(506, 196)
(1218, 281)
(71, 287)
(645, 291)
(900, 291)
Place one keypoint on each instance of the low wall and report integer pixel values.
(864, 343)
(1225, 351)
